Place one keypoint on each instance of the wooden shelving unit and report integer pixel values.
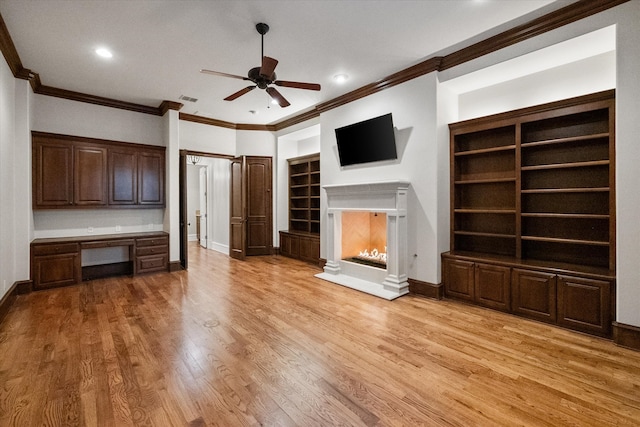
(302, 240)
(532, 191)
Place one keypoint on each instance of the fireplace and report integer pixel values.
(366, 237)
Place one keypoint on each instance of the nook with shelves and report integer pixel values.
(532, 191)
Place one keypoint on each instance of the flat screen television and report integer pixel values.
(372, 140)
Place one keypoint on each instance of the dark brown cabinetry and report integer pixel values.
(532, 191)
(76, 172)
(55, 264)
(152, 254)
(302, 240)
(58, 261)
(301, 246)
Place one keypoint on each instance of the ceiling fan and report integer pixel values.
(264, 76)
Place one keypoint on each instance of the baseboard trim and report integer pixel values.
(429, 290)
(18, 288)
(175, 266)
(626, 336)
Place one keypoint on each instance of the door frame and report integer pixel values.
(184, 227)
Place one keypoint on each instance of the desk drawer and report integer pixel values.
(151, 250)
(54, 249)
(107, 244)
(152, 241)
(145, 264)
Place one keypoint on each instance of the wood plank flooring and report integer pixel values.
(263, 342)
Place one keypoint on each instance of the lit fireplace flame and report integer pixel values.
(374, 255)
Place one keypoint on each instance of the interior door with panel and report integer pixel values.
(251, 224)
(259, 201)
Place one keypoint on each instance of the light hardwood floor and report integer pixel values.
(263, 342)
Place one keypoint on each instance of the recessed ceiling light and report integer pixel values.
(103, 52)
(340, 78)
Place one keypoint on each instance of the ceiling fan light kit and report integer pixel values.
(264, 76)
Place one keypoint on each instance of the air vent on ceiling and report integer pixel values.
(188, 98)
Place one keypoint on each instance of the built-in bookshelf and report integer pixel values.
(302, 240)
(533, 212)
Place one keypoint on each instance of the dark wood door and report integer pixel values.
(534, 294)
(123, 177)
(90, 176)
(492, 286)
(238, 208)
(53, 177)
(151, 178)
(458, 278)
(584, 304)
(259, 202)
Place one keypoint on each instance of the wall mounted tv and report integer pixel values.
(372, 140)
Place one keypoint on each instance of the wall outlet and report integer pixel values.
(118, 228)
(90, 230)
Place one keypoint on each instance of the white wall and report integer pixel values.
(218, 203)
(589, 75)
(413, 106)
(7, 173)
(206, 138)
(193, 198)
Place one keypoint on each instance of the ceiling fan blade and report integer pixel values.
(297, 85)
(218, 73)
(268, 67)
(239, 93)
(273, 92)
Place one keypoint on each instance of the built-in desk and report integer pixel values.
(58, 261)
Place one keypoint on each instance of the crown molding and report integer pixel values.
(10, 53)
(559, 18)
(169, 105)
(206, 121)
(556, 19)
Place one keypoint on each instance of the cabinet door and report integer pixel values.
(458, 279)
(151, 178)
(493, 286)
(90, 175)
(56, 270)
(584, 304)
(53, 167)
(123, 177)
(534, 294)
(309, 249)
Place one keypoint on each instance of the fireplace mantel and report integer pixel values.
(389, 197)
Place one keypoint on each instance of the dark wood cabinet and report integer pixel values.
(78, 172)
(534, 294)
(302, 246)
(89, 175)
(534, 190)
(152, 254)
(56, 264)
(53, 173)
(484, 284)
(123, 176)
(151, 178)
(584, 304)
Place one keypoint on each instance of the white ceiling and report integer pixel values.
(159, 46)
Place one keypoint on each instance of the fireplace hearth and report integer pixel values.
(376, 214)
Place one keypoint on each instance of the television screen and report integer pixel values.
(372, 140)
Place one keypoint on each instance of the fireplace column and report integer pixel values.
(334, 249)
(396, 279)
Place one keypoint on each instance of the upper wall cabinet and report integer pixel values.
(75, 172)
